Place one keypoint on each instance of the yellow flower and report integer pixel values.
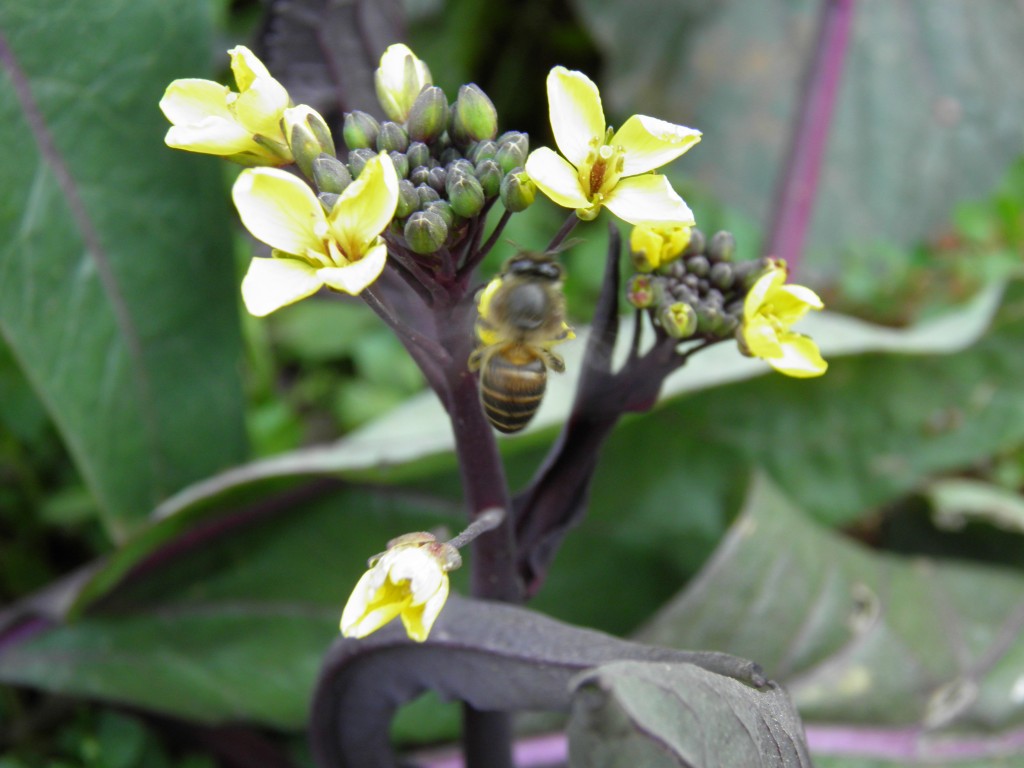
(769, 309)
(246, 127)
(598, 167)
(342, 249)
(653, 245)
(399, 80)
(409, 580)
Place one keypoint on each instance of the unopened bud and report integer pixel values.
(722, 246)
(428, 117)
(425, 232)
(698, 265)
(308, 136)
(419, 175)
(482, 150)
(418, 154)
(465, 194)
(408, 200)
(721, 275)
(357, 160)
(449, 155)
(360, 130)
(443, 209)
(696, 244)
(640, 291)
(489, 175)
(679, 320)
(399, 80)
(401, 163)
(437, 178)
(513, 147)
(427, 194)
(330, 174)
(517, 191)
(474, 117)
(327, 200)
(392, 138)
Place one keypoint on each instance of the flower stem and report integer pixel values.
(563, 232)
(795, 195)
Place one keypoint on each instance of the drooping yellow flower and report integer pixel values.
(342, 249)
(398, 80)
(246, 126)
(653, 245)
(769, 309)
(599, 167)
(409, 580)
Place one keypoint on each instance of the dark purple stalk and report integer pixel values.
(794, 198)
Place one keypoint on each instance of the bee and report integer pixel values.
(521, 315)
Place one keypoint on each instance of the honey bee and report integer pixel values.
(521, 315)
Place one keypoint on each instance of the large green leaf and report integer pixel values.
(928, 654)
(894, 165)
(117, 284)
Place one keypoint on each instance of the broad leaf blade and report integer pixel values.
(862, 639)
(680, 716)
(117, 286)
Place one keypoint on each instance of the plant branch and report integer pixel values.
(796, 190)
(563, 232)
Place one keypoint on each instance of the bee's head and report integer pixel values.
(537, 266)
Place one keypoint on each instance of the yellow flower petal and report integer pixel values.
(366, 207)
(761, 339)
(261, 107)
(281, 211)
(760, 290)
(399, 79)
(276, 282)
(650, 143)
(189, 101)
(213, 136)
(800, 358)
(247, 67)
(374, 602)
(577, 117)
(419, 618)
(355, 277)
(556, 178)
(648, 199)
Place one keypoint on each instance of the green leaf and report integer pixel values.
(117, 285)
(930, 650)
(957, 501)
(227, 623)
(679, 716)
(894, 166)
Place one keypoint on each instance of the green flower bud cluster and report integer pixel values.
(701, 294)
(451, 165)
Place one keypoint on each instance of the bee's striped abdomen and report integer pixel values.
(512, 382)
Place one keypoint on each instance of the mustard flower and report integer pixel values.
(398, 80)
(409, 580)
(599, 167)
(246, 126)
(653, 245)
(769, 309)
(341, 249)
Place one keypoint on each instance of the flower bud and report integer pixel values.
(399, 79)
(721, 275)
(449, 155)
(360, 130)
(443, 209)
(722, 246)
(489, 175)
(640, 291)
(427, 194)
(513, 147)
(437, 178)
(482, 150)
(428, 117)
(357, 160)
(418, 154)
(473, 116)
(425, 232)
(517, 191)
(465, 193)
(308, 136)
(679, 320)
(408, 200)
(330, 174)
(392, 138)
(419, 175)
(696, 244)
(653, 245)
(401, 163)
(327, 200)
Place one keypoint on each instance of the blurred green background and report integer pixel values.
(187, 494)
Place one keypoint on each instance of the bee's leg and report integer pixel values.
(553, 360)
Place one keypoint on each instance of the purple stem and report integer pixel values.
(796, 191)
